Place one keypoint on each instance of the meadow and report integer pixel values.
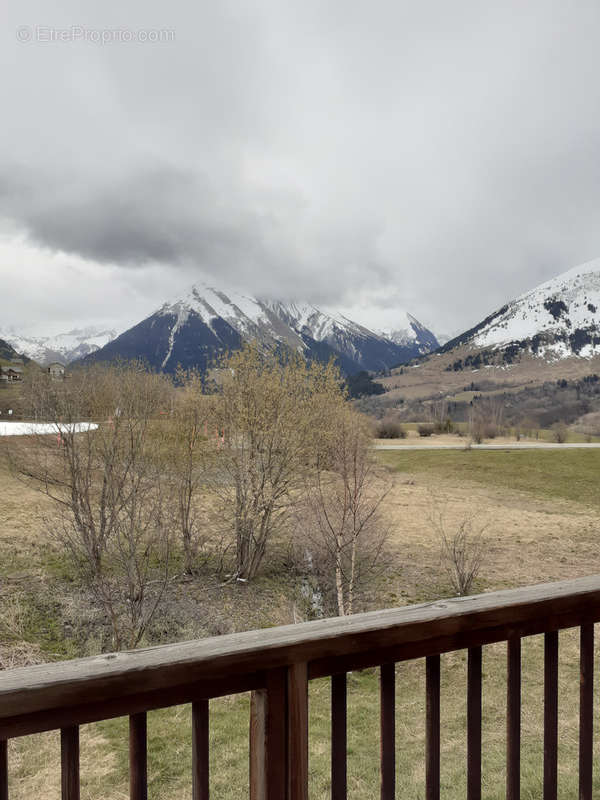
(539, 511)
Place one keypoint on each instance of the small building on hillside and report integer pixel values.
(11, 373)
(56, 370)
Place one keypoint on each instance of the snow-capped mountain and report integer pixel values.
(558, 319)
(409, 332)
(64, 347)
(193, 330)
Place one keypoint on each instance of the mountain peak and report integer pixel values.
(192, 330)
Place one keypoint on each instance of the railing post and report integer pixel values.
(387, 721)
(513, 720)
(432, 725)
(338, 737)
(474, 724)
(550, 715)
(138, 757)
(3, 769)
(586, 711)
(279, 736)
(200, 750)
(69, 758)
(297, 688)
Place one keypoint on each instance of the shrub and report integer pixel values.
(560, 432)
(426, 429)
(387, 429)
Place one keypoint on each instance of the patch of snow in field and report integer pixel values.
(31, 428)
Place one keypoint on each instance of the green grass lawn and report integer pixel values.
(572, 475)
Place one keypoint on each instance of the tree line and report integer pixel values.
(183, 476)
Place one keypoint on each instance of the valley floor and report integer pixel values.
(539, 513)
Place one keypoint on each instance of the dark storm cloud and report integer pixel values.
(441, 156)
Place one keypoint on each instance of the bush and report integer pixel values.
(560, 432)
(426, 429)
(387, 429)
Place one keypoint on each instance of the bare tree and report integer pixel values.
(107, 485)
(192, 453)
(462, 547)
(269, 418)
(341, 508)
(486, 418)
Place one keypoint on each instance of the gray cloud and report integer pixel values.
(444, 157)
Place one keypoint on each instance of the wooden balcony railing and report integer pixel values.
(276, 665)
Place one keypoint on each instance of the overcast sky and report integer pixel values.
(440, 157)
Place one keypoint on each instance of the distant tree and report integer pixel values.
(111, 500)
(272, 413)
(560, 432)
(341, 510)
(363, 385)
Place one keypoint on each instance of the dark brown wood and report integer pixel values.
(138, 757)
(474, 724)
(432, 728)
(269, 739)
(277, 733)
(550, 715)
(133, 704)
(298, 731)
(200, 750)
(339, 747)
(79, 684)
(258, 745)
(3, 769)
(69, 763)
(586, 711)
(387, 701)
(513, 720)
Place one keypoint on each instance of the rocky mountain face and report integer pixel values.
(194, 330)
(8, 352)
(557, 320)
(66, 347)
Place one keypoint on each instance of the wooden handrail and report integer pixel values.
(277, 663)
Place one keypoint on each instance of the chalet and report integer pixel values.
(11, 373)
(56, 370)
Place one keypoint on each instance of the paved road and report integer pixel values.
(513, 446)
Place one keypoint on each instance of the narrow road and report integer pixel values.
(515, 446)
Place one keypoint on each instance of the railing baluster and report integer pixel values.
(69, 763)
(258, 744)
(387, 700)
(338, 737)
(298, 731)
(3, 769)
(513, 720)
(200, 750)
(550, 715)
(474, 724)
(138, 757)
(432, 734)
(586, 711)
(268, 739)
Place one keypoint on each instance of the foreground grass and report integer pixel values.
(104, 746)
(551, 474)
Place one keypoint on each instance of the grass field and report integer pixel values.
(542, 513)
(571, 475)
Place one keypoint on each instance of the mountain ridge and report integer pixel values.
(195, 329)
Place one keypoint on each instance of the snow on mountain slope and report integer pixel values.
(64, 347)
(193, 330)
(558, 319)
